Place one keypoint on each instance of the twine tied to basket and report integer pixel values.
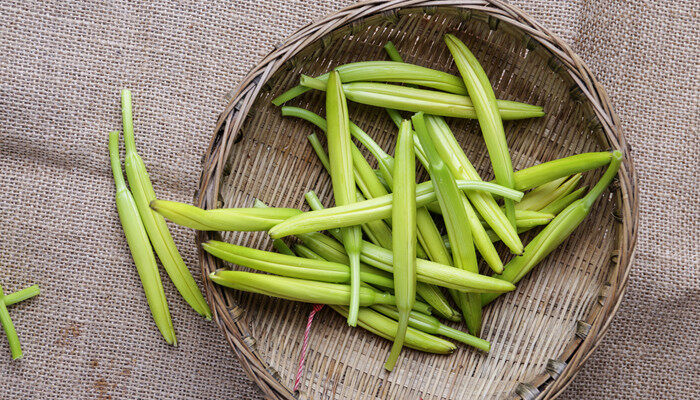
(305, 342)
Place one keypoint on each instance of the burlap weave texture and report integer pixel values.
(90, 335)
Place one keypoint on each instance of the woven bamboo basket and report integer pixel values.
(544, 331)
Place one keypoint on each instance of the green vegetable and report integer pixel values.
(306, 252)
(557, 231)
(428, 233)
(141, 249)
(536, 200)
(430, 324)
(24, 294)
(543, 217)
(434, 297)
(386, 327)
(540, 174)
(456, 222)
(426, 271)
(558, 205)
(523, 218)
(479, 235)
(529, 219)
(154, 223)
(394, 55)
(385, 71)
(333, 252)
(293, 266)
(9, 327)
(298, 289)
(341, 163)
(544, 189)
(429, 101)
(373, 209)
(282, 247)
(535, 218)
(404, 236)
(486, 108)
(222, 219)
(460, 166)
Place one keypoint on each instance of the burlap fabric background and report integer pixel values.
(90, 335)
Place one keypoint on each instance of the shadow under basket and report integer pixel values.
(542, 332)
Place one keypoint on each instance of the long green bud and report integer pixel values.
(344, 192)
(558, 205)
(373, 209)
(540, 199)
(557, 231)
(460, 166)
(306, 252)
(386, 71)
(543, 189)
(426, 271)
(430, 324)
(427, 232)
(529, 219)
(155, 225)
(486, 108)
(523, 218)
(426, 226)
(386, 327)
(294, 289)
(456, 222)
(222, 219)
(540, 174)
(21, 295)
(141, 250)
(333, 251)
(282, 247)
(404, 236)
(434, 297)
(9, 328)
(295, 267)
(429, 101)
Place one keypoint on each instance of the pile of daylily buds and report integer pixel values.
(378, 257)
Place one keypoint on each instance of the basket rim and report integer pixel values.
(559, 373)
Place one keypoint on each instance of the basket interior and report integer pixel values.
(274, 162)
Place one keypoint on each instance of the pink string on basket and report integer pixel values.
(302, 356)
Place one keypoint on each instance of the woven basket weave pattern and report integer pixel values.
(540, 333)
